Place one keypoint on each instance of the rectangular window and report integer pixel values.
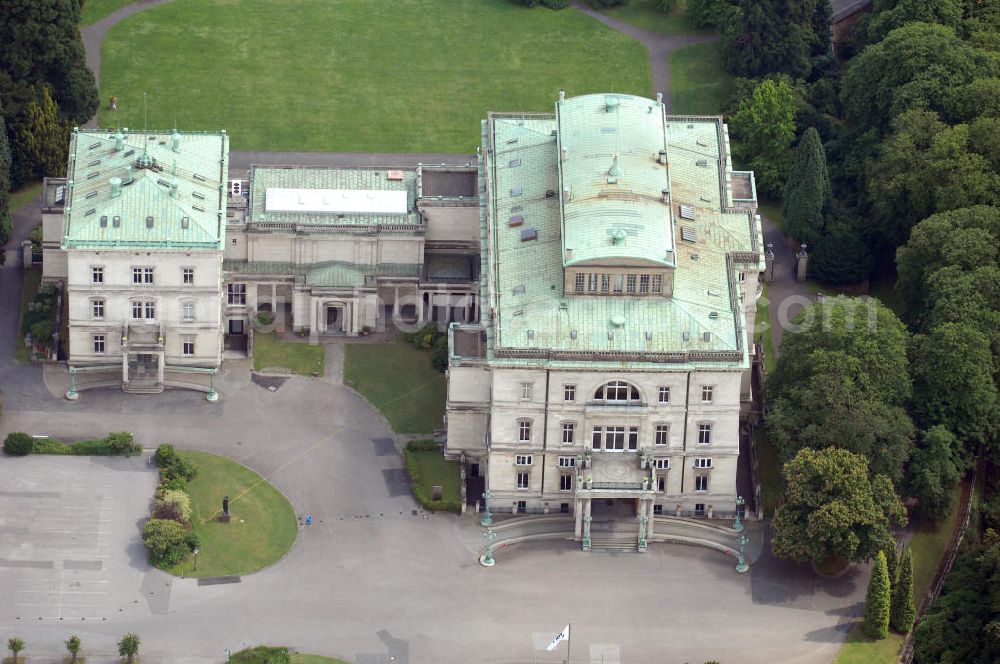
(605, 283)
(237, 294)
(661, 464)
(707, 393)
(97, 275)
(701, 483)
(522, 506)
(137, 310)
(187, 311)
(137, 275)
(568, 433)
(522, 480)
(633, 438)
(619, 282)
(614, 438)
(704, 434)
(703, 462)
(524, 431)
(742, 277)
(525, 390)
(658, 509)
(578, 281)
(661, 486)
(147, 275)
(657, 283)
(187, 347)
(98, 309)
(187, 275)
(567, 462)
(99, 344)
(597, 438)
(564, 508)
(565, 482)
(522, 460)
(662, 435)
(630, 283)
(643, 284)
(569, 392)
(150, 310)
(699, 509)
(592, 282)
(664, 395)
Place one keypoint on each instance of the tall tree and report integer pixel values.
(807, 196)
(763, 130)
(933, 473)
(773, 37)
(832, 508)
(944, 12)
(709, 13)
(5, 185)
(902, 613)
(877, 600)
(954, 385)
(41, 139)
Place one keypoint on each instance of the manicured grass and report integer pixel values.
(400, 381)
(768, 472)
(644, 14)
(698, 83)
(24, 195)
(301, 357)
(262, 528)
(29, 288)
(95, 10)
(357, 75)
(763, 323)
(928, 544)
(298, 658)
(436, 470)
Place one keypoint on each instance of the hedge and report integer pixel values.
(116, 444)
(416, 485)
(261, 655)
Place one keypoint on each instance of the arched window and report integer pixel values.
(617, 391)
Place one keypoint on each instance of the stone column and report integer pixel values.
(586, 524)
(578, 515)
(649, 526)
(395, 303)
(159, 368)
(274, 298)
(124, 365)
(313, 322)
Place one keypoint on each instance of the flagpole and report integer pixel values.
(569, 639)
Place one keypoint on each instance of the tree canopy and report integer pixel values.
(777, 36)
(807, 197)
(764, 128)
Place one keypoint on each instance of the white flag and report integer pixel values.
(560, 637)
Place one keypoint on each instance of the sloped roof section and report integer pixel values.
(146, 189)
(615, 183)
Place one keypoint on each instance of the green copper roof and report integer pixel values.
(263, 178)
(146, 189)
(532, 319)
(613, 183)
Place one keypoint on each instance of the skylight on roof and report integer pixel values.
(336, 201)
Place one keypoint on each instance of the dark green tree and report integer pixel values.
(840, 256)
(877, 600)
(763, 129)
(970, 297)
(807, 197)
(40, 139)
(831, 508)
(945, 12)
(5, 184)
(967, 238)
(128, 647)
(891, 564)
(953, 384)
(902, 613)
(710, 13)
(932, 473)
(73, 647)
(774, 37)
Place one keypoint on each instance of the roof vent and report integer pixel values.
(518, 290)
(567, 195)
(173, 188)
(688, 234)
(149, 222)
(119, 141)
(618, 237)
(104, 221)
(185, 221)
(572, 334)
(662, 158)
(714, 315)
(116, 221)
(707, 336)
(665, 195)
(515, 191)
(175, 141)
(618, 321)
(687, 212)
(615, 170)
(702, 162)
(531, 334)
(515, 220)
(649, 336)
(611, 103)
(116, 187)
(529, 234)
(514, 163)
(686, 336)
(550, 193)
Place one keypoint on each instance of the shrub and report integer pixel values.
(18, 443)
(422, 446)
(122, 443)
(265, 318)
(174, 484)
(165, 542)
(261, 655)
(168, 511)
(164, 456)
(439, 357)
(51, 446)
(181, 500)
(556, 4)
(666, 6)
(192, 541)
(172, 465)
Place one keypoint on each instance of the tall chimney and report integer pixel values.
(116, 187)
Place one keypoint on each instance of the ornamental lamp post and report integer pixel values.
(741, 564)
(487, 517)
(487, 559)
(643, 520)
(212, 395)
(72, 394)
(738, 522)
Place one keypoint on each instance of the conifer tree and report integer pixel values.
(807, 190)
(902, 599)
(891, 565)
(876, 622)
(5, 223)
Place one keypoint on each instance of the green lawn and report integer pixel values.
(698, 83)
(95, 10)
(357, 75)
(263, 525)
(298, 658)
(436, 470)
(763, 323)
(928, 545)
(400, 381)
(29, 288)
(24, 195)
(644, 14)
(299, 357)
